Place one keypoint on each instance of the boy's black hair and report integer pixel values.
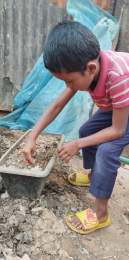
(70, 46)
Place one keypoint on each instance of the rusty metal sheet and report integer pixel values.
(24, 27)
(103, 3)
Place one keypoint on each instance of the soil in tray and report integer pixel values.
(45, 148)
(8, 138)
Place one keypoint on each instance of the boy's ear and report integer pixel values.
(91, 67)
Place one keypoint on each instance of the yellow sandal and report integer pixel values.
(81, 179)
(89, 221)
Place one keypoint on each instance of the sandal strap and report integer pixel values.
(88, 219)
(82, 177)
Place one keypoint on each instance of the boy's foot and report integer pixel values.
(80, 178)
(91, 219)
(101, 216)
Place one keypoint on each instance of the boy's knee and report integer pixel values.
(104, 151)
(83, 131)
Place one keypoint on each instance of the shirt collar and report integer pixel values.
(104, 66)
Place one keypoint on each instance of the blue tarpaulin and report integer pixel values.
(40, 88)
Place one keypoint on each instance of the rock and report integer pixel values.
(10, 244)
(6, 141)
(28, 237)
(34, 247)
(126, 166)
(42, 196)
(10, 257)
(25, 257)
(73, 209)
(1, 249)
(88, 238)
(20, 217)
(19, 236)
(32, 204)
(39, 209)
(50, 223)
(126, 220)
(69, 246)
(85, 250)
(63, 254)
(26, 226)
(37, 234)
(8, 251)
(33, 222)
(22, 210)
(1, 215)
(49, 249)
(36, 252)
(22, 249)
(13, 221)
(5, 195)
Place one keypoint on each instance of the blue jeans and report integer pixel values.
(103, 158)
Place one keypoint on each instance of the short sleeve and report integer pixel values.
(119, 91)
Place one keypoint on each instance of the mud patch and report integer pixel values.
(8, 138)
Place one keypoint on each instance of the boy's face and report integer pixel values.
(77, 80)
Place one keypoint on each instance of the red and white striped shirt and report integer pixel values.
(112, 89)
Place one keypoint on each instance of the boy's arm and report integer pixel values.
(117, 130)
(49, 115)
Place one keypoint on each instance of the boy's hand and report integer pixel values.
(29, 149)
(67, 151)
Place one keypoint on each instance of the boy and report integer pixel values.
(72, 53)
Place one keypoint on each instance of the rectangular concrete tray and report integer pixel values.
(27, 183)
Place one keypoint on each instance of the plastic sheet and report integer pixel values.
(40, 88)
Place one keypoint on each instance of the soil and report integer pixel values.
(37, 227)
(45, 148)
(8, 138)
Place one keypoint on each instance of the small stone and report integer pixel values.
(13, 222)
(22, 249)
(96, 254)
(25, 257)
(33, 222)
(10, 244)
(36, 252)
(39, 209)
(19, 236)
(28, 237)
(73, 209)
(8, 251)
(37, 233)
(42, 196)
(126, 166)
(22, 210)
(5, 195)
(126, 220)
(88, 238)
(85, 250)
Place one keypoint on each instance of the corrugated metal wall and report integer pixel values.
(24, 27)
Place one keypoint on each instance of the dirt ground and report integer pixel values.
(37, 227)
